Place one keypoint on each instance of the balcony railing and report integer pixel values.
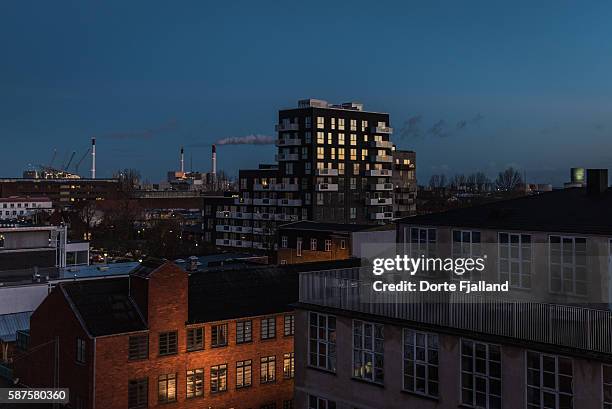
(327, 172)
(287, 157)
(379, 172)
(287, 127)
(382, 201)
(285, 187)
(289, 202)
(288, 142)
(381, 216)
(382, 186)
(380, 144)
(243, 201)
(571, 326)
(380, 158)
(381, 129)
(264, 202)
(327, 187)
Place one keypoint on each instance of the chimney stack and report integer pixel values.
(596, 181)
(93, 157)
(182, 160)
(214, 161)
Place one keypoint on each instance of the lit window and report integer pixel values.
(289, 365)
(166, 388)
(368, 351)
(267, 369)
(328, 245)
(218, 378)
(313, 244)
(244, 374)
(195, 383)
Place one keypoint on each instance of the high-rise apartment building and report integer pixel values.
(334, 164)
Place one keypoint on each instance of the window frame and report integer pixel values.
(290, 324)
(244, 339)
(520, 260)
(134, 386)
(269, 374)
(541, 388)
(138, 355)
(194, 382)
(289, 357)
(81, 350)
(194, 345)
(221, 373)
(168, 346)
(424, 362)
(364, 350)
(329, 341)
(474, 374)
(243, 374)
(165, 379)
(264, 334)
(215, 335)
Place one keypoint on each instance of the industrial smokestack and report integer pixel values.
(214, 161)
(93, 158)
(182, 160)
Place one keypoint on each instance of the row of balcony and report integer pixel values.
(288, 142)
(285, 127)
(233, 229)
(287, 157)
(381, 216)
(381, 201)
(234, 243)
(277, 187)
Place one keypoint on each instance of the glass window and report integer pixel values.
(218, 335)
(515, 259)
(549, 381)
(315, 402)
(368, 351)
(289, 327)
(168, 343)
(166, 388)
(195, 383)
(218, 378)
(322, 341)
(567, 265)
(268, 369)
(244, 331)
(289, 365)
(80, 350)
(268, 328)
(138, 393)
(244, 373)
(480, 375)
(421, 362)
(195, 339)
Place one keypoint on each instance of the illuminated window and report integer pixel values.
(166, 388)
(244, 373)
(267, 369)
(320, 122)
(195, 383)
(289, 365)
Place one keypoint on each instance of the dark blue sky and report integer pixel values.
(537, 76)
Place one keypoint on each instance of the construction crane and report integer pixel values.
(76, 165)
(70, 160)
(52, 158)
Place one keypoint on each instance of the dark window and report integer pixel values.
(288, 404)
(244, 373)
(138, 392)
(322, 341)
(138, 347)
(195, 339)
(167, 343)
(268, 328)
(244, 331)
(80, 350)
(314, 402)
(289, 324)
(218, 378)
(166, 388)
(218, 335)
(268, 369)
(268, 406)
(195, 383)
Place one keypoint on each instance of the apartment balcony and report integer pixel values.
(286, 187)
(380, 158)
(289, 202)
(382, 201)
(264, 202)
(379, 172)
(241, 215)
(261, 188)
(567, 326)
(287, 157)
(263, 231)
(223, 214)
(223, 228)
(263, 216)
(288, 142)
(326, 172)
(286, 127)
(243, 201)
(381, 216)
(327, 187)
(223, 242)
(381, 129)
(381, 144)
(382, 186)
(241, 229)
(286, 217)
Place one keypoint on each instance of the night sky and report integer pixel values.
(469, 85)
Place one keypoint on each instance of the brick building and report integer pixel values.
(214, 339)
(62, 192)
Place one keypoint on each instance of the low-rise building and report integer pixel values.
(20, 207)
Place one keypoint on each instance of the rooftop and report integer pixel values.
(566, 211)
(106, 308)
(328, 227)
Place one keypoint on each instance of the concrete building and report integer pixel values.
(544, 344)
(20, 207)
(62, 192)
(334, 164)
(26, 246)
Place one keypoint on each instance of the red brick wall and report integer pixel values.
(52, 318)
(308, 256)
(113, 369)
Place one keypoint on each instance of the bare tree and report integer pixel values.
(508, 180)
(459, 181)
(437, 181)
(129, 179)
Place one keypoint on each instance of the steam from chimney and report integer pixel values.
(214, 161)
(182, 160)
(93, 158)
(247, 140)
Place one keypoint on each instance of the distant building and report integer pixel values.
(23, 207)
(404, 183)
(62, 192)
(334, 165)
(308, 241)
(577, 178)
(220, 338)
(31, 247)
